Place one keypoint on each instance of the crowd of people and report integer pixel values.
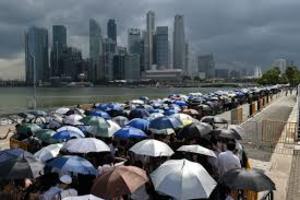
(168, 128)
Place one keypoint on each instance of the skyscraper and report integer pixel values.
(162, 47)
(206, 65)
(59, 43)
(96, 50)
(36, 55)
(112, 30)
(179, 43)
(132, 67)
(186, 61)
(148, 44)
(134, 41)
(109, 51)
(281, 63)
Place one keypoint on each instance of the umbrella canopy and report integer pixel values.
(183, 118)
(190, 112)
(45, 135)
(227, 134)
(170, 111)
(129, 133)
(62, 110)
(66, 135)
(164, 123)
(106, 130)
(48, 152)
(138, 113)
(84, 197)
(26, 128)
(139, 123)
(238, 130)
(99, 113)
(85, 145)
(73, 119)
(244, 179)
(19, 164)
(183, 179)
(72, 164)
(119, 181)
(152, 147)
(214, 120)
(155, 115)
(197, 149)
(94, 121)
(195, 130)
(120, 120)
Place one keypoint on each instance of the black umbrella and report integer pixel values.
(138, 113)
(194, 130)
(214, 120)
(19, 164)
(243, 179)
(227, 134)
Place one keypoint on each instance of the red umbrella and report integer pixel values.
(119, 181)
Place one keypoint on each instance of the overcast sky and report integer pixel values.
(238, 32)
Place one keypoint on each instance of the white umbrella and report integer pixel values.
(62, 110)
(72, 129)
(84, 197)
(48, 152)
(113, 126)
(105, 131)
(155, 115)
(184, 118)
(151, 147)
(194, 148)
(73, 119)
(183, 179)
(85, 145)
(120, 120)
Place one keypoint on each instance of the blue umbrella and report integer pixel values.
(138, 113)
(139, 123)
(72, 164)
(99, 113)
(180, 103)
(66, 135)
(169, 112)
(165, 122)
(130, 133)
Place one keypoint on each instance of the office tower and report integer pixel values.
(281, 63)
(134, 41)
(96, 51)
(148, 43)
(142, 55)
(132, 67)
(71, 63)
(206, 65)
(59, 43)
(162, 47)
(179, 43)
(109, 51)
(36, 55)
(112, 30)
(119, 67)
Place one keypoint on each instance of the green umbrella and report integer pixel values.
(94, 121)
(28, 127)
(45, 135)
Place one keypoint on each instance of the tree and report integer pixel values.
(271, 76)
(293, 75)
(197, 78)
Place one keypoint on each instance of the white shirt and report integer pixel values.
(227, 161)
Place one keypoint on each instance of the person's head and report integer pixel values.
(231, 146)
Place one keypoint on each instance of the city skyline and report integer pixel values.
(240, 38)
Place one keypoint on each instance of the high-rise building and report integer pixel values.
(119, 67)
(206, 65)
(59, 43)
(112, 30)
(71, 63)
(179, 43)
(134, 41)
(281, 63)
(148, 43)
(132, 67)
(36, 55)
(109, 50)
(162, 47)
(96, 51)
(186, 61)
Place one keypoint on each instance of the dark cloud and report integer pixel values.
(248, 32)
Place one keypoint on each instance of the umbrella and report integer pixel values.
(62, 110)
(137, 101)
(77, 111)
(130, 132)
(85, 145)
(26, 128)
(247, 179)
(214, 120)
(106, 130)
(48, 152)
(190, 112)
(99, 113)
(183, 118)
(227, 134)
(180, 103)
(197, 149)
(45, 135)
(72, 164)
(138, 113)
(170, 111)
(120, 181)
(151, 147)
(155, 115)
(19, 164)
(139, 123)
(71, 128)
(84, 197)
(73, 120)
(162, 124)
(195, 130)
(183, 179)
(237, 129)
(120, 120)
(38, 113)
